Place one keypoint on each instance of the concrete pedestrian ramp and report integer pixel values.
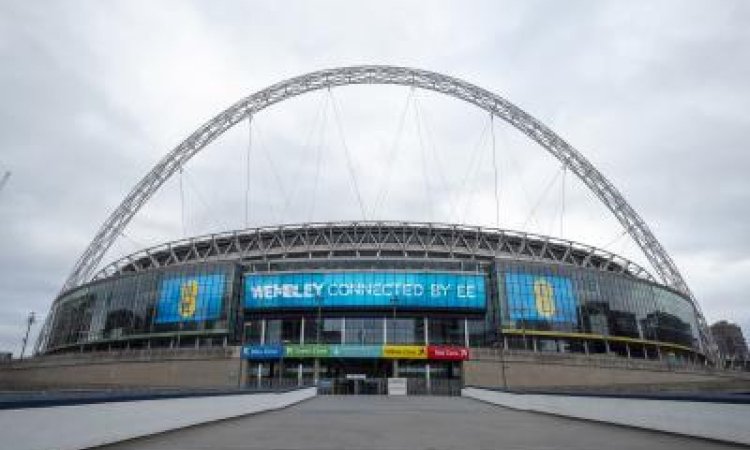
(383, 423)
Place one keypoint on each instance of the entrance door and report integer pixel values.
(354, 376)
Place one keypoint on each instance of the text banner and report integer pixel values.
(365, 289)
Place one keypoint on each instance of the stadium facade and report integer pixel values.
(376, 300)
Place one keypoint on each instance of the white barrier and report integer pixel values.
(721, 421)
(82, 426)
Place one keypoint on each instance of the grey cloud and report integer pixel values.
(95, 93)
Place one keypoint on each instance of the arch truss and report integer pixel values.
(482, 98)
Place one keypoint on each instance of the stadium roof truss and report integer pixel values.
(376, 240)
(356, 75)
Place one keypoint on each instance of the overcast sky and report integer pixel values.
(93, 94)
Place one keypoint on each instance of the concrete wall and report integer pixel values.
(82, 426)
(519, 371)
(721, 421)
(221, 368)
(218, 368)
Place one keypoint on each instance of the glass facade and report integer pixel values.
(560, 305)
(544, 297)
(190, 301)
(352, 330)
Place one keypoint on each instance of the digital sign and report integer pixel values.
(365, 289)
(190, 298)
(540, 297)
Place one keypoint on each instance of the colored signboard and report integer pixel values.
(365, 289)
(437, 352)
(404, 352)
(190, 298)
(540, 297)
(355, 351)
(307, 351)
(262, 352)
(447, 353)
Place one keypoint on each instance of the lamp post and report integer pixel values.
(29, 321)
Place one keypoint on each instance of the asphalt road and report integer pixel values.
(391, 423)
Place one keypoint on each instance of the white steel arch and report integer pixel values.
(482, 98)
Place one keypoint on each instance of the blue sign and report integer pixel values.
(190, 298)
(540, 297)
(262, 352)
(365, 289)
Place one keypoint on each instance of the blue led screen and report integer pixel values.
(365, 289)
(190, 298)
(540, 298)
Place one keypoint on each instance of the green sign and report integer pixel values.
(333, 351)
(307, 351)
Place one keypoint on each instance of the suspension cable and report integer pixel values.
(616, 238)
(562, 201)
(474, 160)
(320, 144)
(392, 156)
(191, 185)
(349, 162)
(423, 157)
(542, 196)
(495, 171)
(261, 148)
(247, 169)
(423, 116)
(182, 205)
(136, 245)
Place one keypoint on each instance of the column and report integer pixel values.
(466, 332)
(427, 342)
(262, 342)
(302, 342)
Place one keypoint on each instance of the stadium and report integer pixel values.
(377, 299)
(348, 305)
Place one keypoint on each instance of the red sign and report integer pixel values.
(447, 353)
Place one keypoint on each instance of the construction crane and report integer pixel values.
(4, 179)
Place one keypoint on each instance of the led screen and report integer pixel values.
(540, 297)
(365, 289)
(190, 298)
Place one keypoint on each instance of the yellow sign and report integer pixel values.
(405, 351)
(544, 294)
(188, 298)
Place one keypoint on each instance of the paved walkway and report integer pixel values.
(413, 423)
